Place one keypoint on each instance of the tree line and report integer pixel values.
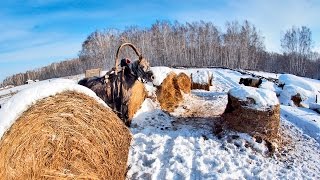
(196, 44)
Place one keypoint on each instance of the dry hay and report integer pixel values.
(184, 82)
(204, 85)
(258, 123)
(168, 93)
(68, 135)
(201, 86)
(138, 95)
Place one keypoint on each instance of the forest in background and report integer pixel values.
(196, 44)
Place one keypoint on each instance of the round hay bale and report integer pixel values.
(168, 93)
(247, 115)
(69, 135)
(201, 79)
(184, 82)
(200, 86)
(138, 95)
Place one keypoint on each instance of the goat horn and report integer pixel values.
(118, 52)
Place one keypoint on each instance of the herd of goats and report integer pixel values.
(115, 86)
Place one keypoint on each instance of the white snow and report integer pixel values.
(307, 120)
(265, 74)
(150, 88)
(308, 89)
(315, 106)
(289, 79)
(201, 76)
(20, 102)
(160, 73)
(182, 145)
(263, 98)
(271, 86)
(307, 96)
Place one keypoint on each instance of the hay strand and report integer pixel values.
(138, 95)
(184, 82)
(259, 123)
(68, 135)
(168, 93)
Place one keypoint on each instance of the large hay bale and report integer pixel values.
(253, 111)
(168, 93)
(69, 135)
(138, 95)
(201, 80)
(184, 82)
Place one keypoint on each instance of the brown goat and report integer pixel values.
(250, 82)
(115, 87)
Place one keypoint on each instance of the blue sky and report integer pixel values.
(34, 33)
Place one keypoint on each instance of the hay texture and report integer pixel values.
(169, 94)
(201, 80)
(69, 135)
(184, 82)
(248, 116)
(138, 95)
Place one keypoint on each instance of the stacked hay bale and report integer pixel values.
(138, 95)
(253, 111)
(169, 92)
(201, 80)
(68, 135)
(184, 83)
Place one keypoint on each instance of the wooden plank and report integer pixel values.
(93, 72)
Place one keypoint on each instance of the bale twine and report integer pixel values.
(68, 135)
(184, 82)
(262, 123)
(138, 95)
(168, 93)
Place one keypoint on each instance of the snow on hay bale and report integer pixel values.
(253, 111)
(297, 96)
(72, 134)
(201, 79)
(169, 92)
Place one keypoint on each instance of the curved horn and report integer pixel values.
(118, 52)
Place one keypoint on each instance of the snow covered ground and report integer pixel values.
(182, 145)
(187, 144)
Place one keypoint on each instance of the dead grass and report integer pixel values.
(67, 136)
